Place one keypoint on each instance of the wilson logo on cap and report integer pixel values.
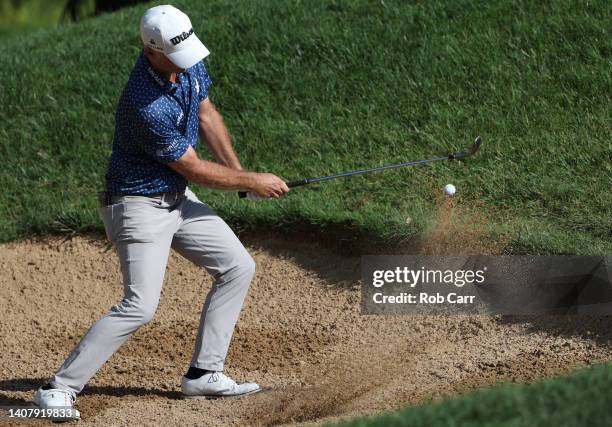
(181, 37)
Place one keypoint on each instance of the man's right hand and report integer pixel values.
(268, 185)
(214, 175)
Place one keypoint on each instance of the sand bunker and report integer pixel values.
(301, 332)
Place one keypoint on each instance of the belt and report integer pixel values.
(106, 199)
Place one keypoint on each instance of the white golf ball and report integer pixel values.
(450, 190)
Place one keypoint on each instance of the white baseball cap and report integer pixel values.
(166, 29)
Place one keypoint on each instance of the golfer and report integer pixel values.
(147, 209)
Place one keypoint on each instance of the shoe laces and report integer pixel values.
(226, 379)
(70, 395)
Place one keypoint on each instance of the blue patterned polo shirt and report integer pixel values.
(155, 123)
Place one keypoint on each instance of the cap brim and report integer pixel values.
(191, 53)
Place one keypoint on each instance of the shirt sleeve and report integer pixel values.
(203, 79)
(157, 136)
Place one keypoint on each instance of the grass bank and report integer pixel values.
(314, 87)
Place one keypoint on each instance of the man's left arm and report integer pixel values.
(215, 135)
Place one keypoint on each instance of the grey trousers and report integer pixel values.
(143, 230)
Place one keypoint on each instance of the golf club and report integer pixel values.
(454, 156)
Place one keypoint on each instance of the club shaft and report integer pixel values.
(455, 156)
(363, 171)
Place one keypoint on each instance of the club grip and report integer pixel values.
(252, 196)
(299, 183)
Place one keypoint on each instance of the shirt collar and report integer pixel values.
(165, 84)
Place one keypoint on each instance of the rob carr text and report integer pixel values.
(423, 298)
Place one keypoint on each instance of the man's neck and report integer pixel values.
(168, 75)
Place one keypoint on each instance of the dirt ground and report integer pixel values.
(300, 333)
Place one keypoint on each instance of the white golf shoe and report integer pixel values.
(60, 402)
(215, 385)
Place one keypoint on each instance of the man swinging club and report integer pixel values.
(147, 209)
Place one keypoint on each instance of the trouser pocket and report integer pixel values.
(111, 216)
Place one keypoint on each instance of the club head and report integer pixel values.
(466, 153)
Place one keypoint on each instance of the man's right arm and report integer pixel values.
(214, 175)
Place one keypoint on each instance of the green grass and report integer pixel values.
(582, 399)
(315, 87)
(20, 16)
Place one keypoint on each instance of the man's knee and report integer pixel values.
(138, 312)
(146, 314)
(246, 265)
(249, 266)
(241, 266)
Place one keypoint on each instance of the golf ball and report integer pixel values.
(449, 189)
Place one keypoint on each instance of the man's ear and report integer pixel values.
(149, 53)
